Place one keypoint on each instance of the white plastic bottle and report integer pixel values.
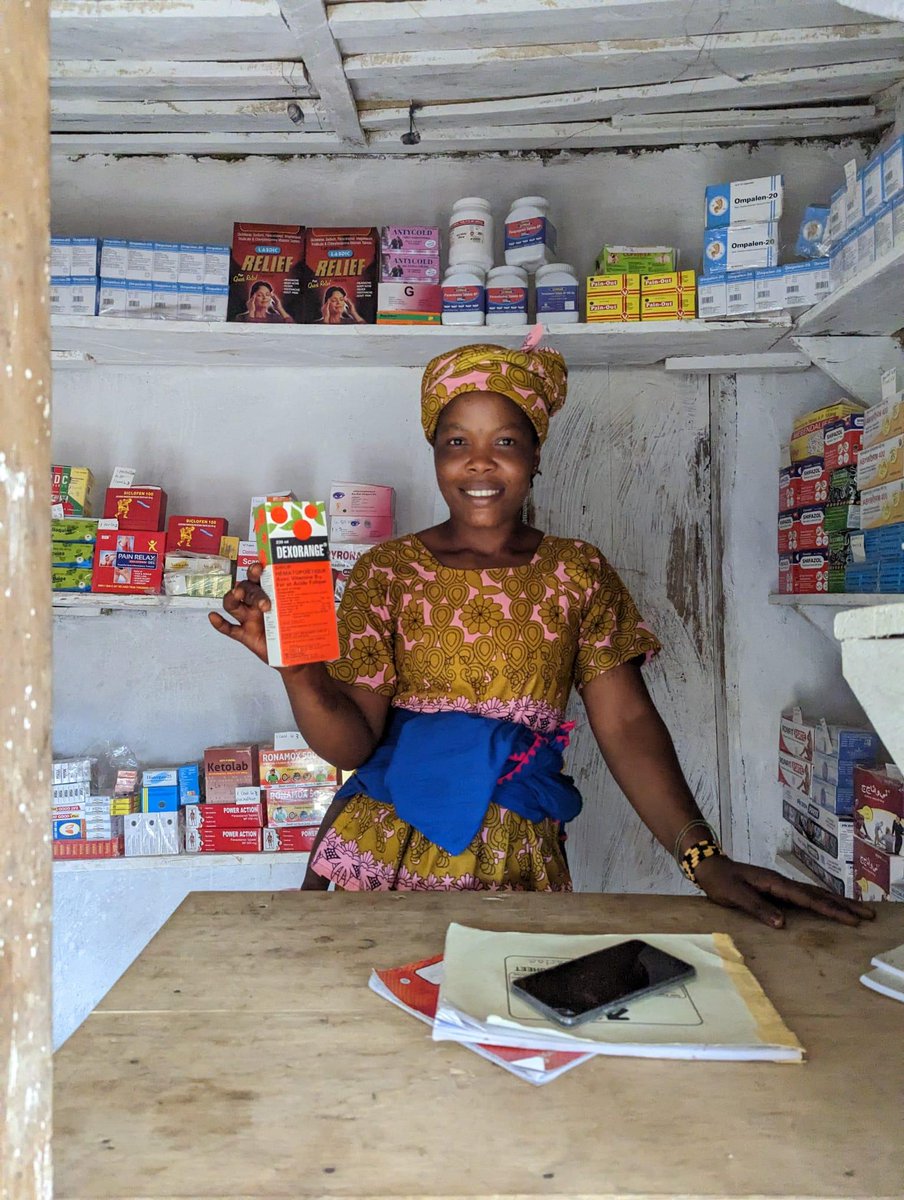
(557, 294)
(471, 233)
(530, 236)
(507, 296)
(464, 295)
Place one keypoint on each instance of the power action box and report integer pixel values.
(142, 508)
(301, 765)
(340, 276)
(803, 485)
(298, 839)
(265, 274)
(224, 816)
(229, 767)
(210, 840)
(875, 871)
(200, 535)
(128, 563)
(802, 529)
(301, 622)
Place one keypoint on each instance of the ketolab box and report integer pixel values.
(300, 765)
(229, 767)
(875, 871)
(301, 622)
(882, 463)
(136, 507)
(340, 276)
(129, 563)
(265, 274)
(740, 248)
(744, 202)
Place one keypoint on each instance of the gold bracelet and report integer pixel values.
(676, 853)
(694, 856)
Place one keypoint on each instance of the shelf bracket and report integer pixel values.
(854, 362)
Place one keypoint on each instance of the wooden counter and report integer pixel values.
(242, 1055)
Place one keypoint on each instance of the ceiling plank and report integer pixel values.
(444, 24)
(192, 116)
(844, 81)
(308, 22)
(89, 79)
(465, 74)
(168, 29)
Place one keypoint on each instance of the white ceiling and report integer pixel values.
(217, 76)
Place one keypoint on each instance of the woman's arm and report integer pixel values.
(341, 723)
(639, 752)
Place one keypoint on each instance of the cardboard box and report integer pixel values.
(298, 806)
(361, 529)
(740, 248)
(796, 737)
(803, 484)
(71, 554)
(136, 508)
(410, 239)
(73, 485)
(247, 557)
(882, 505)
(229, 767)
(625, 283)
(128, 563)
(740, 293)
(340, 276)
(839, 879)
(410, 268)
(831, 834)
(804, 573)
(265, 274)
(880, 464)
(299, 766)
(668, 282)
(769, 292)
(189, 778)
(835, 798)
(636, 260)
(744, 202)
(829, 768)
(256, 502)
(614, 307)
(152, 834)
(848, 743)
(795, 773)
(71, 579)
(342, 561)
(200, 535)
(879, 807)
(212, 840)
(668, 306)
(802, 529)
(224, 816)
(884, 420)
(712, 300)
(842, 441)
(297, 839)
(106, 848)
(160, 799)
(409, 303)
(301, 622)
(875, 872)
(361, 500)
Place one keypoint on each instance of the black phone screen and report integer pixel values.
(603, 978)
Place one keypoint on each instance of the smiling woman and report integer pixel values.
(459, 649)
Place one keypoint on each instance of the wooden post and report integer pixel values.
(25, 613)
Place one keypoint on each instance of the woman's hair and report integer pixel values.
(331, 291)
(256, 287)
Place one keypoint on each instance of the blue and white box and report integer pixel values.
(139, 298)
(811, 239)
(166, 262)
(83, 295)
(884, 229)
(740, 248)
(740, 294)
(853, 204)
(799, 285)
(872, 186)
(744, 202)
(216, 266)
(893, 169)
(820, 270)
(866, 245)
(836, 227)
(848, 745)
(769, 290)
(85, 256)
(215, 301)
(850, 263)
(114, 259)
(140, 267)
(711, 301)
(192, 263)
(60, 257)
(162, 777)
(112, 299)
(60, 295)
(897, 214)
(189, 777)
(165, 301)
(190, 301)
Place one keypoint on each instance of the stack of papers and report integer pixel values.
(888, 976)
(466, 996)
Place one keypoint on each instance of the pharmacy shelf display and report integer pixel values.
(90, 604)
(125, 341)
(871, 303)
(835, 600)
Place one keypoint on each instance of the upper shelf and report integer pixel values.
(871, 303)
(125, 341)
(835, 599)
(95, 604)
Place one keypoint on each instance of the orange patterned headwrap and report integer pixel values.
(536, 380)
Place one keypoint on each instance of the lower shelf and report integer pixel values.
(87, 604)
(185, 862)
(786, 864)
(836, 599)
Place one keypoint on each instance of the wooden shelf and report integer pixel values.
(836, 599)
(186, 862)
(871, 303)
(786, 864)
(886, 621)
(89, 604)
(128, 341)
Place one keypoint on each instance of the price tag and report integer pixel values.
(291, 740)
(247, 795)
(122, 477)
(56, 512)
(850, 174)
(108, 523)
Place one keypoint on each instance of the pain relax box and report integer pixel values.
(292, 545)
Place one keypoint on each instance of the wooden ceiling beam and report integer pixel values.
(308, 22)
(92, 79)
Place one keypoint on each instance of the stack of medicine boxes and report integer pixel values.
(816, 764)
(410, 290)
(878, 833)
(741, 241)
(866, 216)
(172, 280)
(73, 276)
(83, 824)
(361, 515)
(73, 534)
(878, 552)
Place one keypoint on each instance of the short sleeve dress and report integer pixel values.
(506, 643)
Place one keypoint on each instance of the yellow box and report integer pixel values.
(617, 307)
(229, 548)
(605, 285)
(672, 281)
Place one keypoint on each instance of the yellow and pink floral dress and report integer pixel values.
(506, 643)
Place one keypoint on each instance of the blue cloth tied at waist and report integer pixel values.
(441, 771)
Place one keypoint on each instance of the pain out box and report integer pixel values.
(129, 563)
(292, 545)
(229, 767)
(300, 765)
(136, 507)
(265, 273)
(340, 276)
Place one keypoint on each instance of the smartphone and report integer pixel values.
(587, 987)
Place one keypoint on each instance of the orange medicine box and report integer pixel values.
(136, 507)
(200, 535)
(292, 545)
(129, 563)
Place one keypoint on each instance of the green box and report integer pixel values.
(70, 579)
(636, 260)
(78, 529)
(72, 554)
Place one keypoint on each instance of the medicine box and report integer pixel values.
(872, 186)
(410, 239)
(361, 529)
(216, 268)
(635, 260)
(875, 871)
(152, 834)
(114, 259)
(83, 295)
(796, 737)
(795, 772)
(298, 806)
(845, 742)
(257, 501)
(410, 268)
(769, 290)
(804, 573)
(136, 508)
(833, 835)
(297, 766)
(812, 237)
(612, 303)
(247, 557)
(224, 816)
(711, 297)
(361, 500)
(343, 557)
(839, 879)
(128, 562)
(866, 245)
(229, 767)
(879, 802)
(893, 169)
(802, 529)
(298, 839)
(166, 262)
(882, 463)
(215, 302)
(744, 202)
(803, 484)
(189, 779)
(216, 840)
(112, 297)
(853, 203)
(884, 420)
(408, 303)
(829, 768)
(200, 535)
(740, 293)
(160, 799)
(842, 441)
(882, 505)
(72, 484)
(740, 248)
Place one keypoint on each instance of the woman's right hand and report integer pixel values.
(247, 603)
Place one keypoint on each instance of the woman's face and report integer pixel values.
(335, 306)
(261, 298)
(486, 454)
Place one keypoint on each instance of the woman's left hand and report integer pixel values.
(740, 885)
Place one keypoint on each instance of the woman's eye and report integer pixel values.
(506, 441)
(456, 441)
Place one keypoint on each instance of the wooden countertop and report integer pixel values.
(242, 1055)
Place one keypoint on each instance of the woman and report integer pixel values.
(337, 309)
(460, 645)
(265, 305)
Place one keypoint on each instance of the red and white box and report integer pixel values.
(286, 768)
(247, 558)
(796, 738)
(803, 573)
(843, 442)
(224, 816)
(209, 840)
(875, 872)
(200, 535)
(291, 839)
(803, 484)
(128, 562)
(227, 768)
(361, 500)
(342, 562)
(795, 773)
(106, 848)
(802, 529)
(136, 507)
(879, 807)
